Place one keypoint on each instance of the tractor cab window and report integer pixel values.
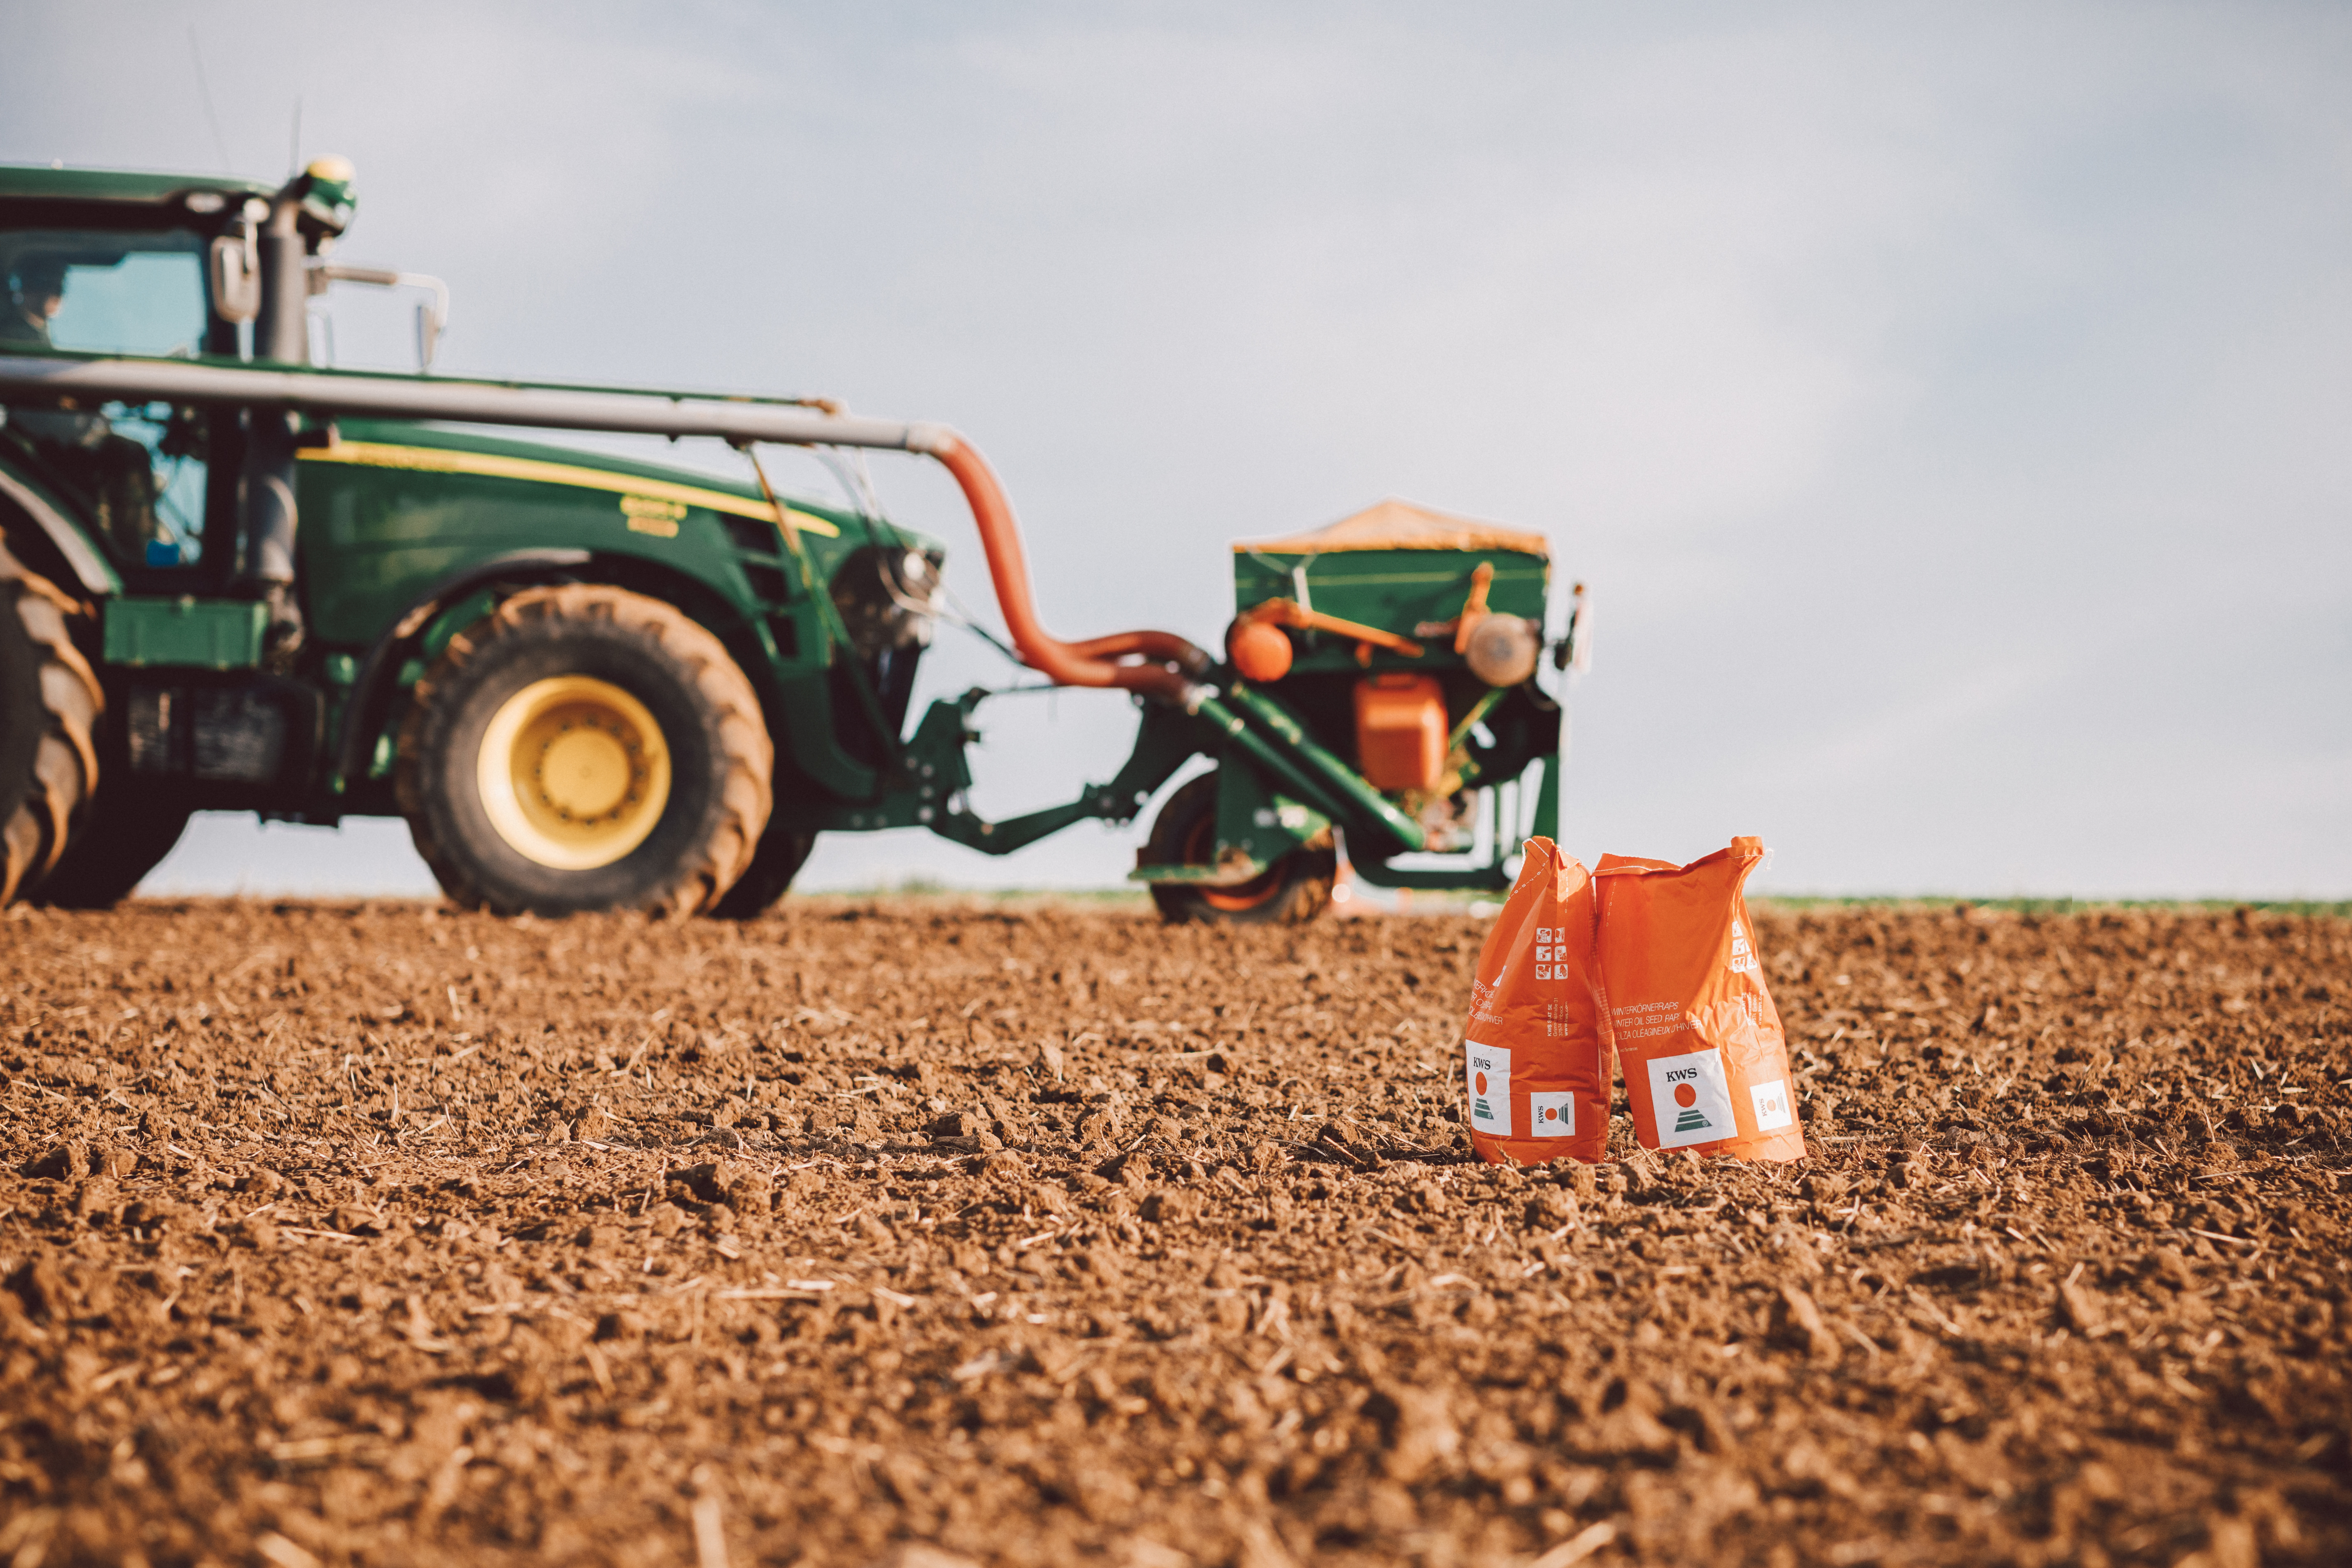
(140, 471)
(96, 292)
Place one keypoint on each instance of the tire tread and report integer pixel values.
(751, 754)
(64, 765)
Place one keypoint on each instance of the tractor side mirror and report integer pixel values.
(432, 315)
(236, 267)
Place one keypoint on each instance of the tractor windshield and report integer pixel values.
(103, 293)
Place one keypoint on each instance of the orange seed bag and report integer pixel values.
(1707, 1067)
(1533, 1066)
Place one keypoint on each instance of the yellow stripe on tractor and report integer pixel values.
(440, 460)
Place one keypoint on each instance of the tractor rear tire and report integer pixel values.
(779, 859)
(127, 835)
(585, 748)
(1295, 889)
(49, 704)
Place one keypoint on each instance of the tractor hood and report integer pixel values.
(424, 448)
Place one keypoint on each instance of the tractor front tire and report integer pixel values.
(585, 748)
(49, 704)
(1295, 888)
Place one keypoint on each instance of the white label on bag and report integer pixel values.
(1688, 1096)
(1771, 1104)
(1552, 1115)
(1488, 1070)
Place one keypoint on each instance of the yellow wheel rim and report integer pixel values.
(574, 772)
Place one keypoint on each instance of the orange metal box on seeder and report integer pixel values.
(1401, 731)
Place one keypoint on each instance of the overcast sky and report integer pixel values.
(1950, 406)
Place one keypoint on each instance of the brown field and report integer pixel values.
(922, 1232)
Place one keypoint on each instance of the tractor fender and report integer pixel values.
(73, 547)
(363, 715)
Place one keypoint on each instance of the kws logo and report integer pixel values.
(1487, 1072)
(1689, 1099)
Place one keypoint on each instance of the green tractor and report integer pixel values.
(233, 580)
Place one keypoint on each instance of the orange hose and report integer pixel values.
(1168, 662)
(1155, 646)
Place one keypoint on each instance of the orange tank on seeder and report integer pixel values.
(1401, 731)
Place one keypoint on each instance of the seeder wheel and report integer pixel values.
(1294, 887)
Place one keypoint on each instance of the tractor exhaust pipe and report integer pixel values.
(266, 516)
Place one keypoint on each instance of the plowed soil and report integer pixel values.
(1052, 1235)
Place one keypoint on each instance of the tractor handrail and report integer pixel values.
(1168, 664)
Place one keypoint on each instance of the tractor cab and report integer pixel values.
(114, 264)
(167, 266)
